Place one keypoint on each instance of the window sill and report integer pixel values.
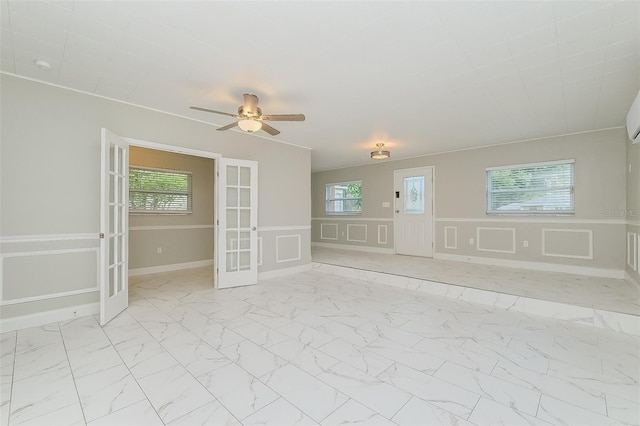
(160, 213)
(530, 214)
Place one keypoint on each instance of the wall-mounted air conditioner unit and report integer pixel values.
(633, 120)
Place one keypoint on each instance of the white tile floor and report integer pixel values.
(315, 348)
(608, 294)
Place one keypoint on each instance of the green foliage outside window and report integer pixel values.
(537, 188)
(159, 191)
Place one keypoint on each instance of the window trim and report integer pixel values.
(571, 212)
(189, 194)
(327, 200)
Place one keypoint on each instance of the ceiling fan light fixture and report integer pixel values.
(380, 153)
(250, 125)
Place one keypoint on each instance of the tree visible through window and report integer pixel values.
(545, 188)
(159, 191)
(344, 197)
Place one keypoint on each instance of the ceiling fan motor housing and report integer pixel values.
(248, 113)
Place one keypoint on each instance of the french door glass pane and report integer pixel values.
(232, 175)
(112, 219)
(245, 219)
(232, 240)
(232, 218)
(121, 281)
(245, 176)
(245, 260)
(245, 240)
(120, 165)
(232, 197)
(245, 197)
(120, 249)
(112, 250)
(112, 158)
(232, 261)
(112, 282)
(112, 189)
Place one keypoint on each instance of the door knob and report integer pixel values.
(253, 229)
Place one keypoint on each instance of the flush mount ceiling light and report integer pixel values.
(380, 154)
(44, 65)
(250, 125)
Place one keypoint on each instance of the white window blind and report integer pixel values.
(160, 191)
(542, 188)
(344, 198)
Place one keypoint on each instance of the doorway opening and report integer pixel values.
(171, 211)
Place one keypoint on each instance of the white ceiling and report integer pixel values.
(423, 77)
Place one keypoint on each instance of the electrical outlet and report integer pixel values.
(525, 244)
(159, 250)
(471, 241)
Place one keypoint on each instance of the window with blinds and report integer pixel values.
(344, 198)
(160, 191)
(541, 188)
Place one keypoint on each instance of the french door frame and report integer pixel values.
(167, 148)
(216, 164)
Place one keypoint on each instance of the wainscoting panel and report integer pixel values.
(357, 232)
(569, 243)
(498, 240)
(382, 234)
(288, 248)
(329, 231)
(31, 275)
(281, 248)
(632, 247)
(451, 237)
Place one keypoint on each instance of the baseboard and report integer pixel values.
(354, 248)
(631, 278)
(284, 271)
(168, 268)
(46, 317)
(537, 266)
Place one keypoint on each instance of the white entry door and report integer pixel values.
(238, 228)
(114, 214)
(413, 213)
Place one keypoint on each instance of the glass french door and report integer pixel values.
(114, 214)
(238, 216)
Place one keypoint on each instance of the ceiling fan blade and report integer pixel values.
(228, 126)
(284, 117)
(215, 112)
(250, 106)
(269, 129)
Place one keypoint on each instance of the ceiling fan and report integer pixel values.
(250, 118)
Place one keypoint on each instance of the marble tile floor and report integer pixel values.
(607, 294)
(314, 348)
